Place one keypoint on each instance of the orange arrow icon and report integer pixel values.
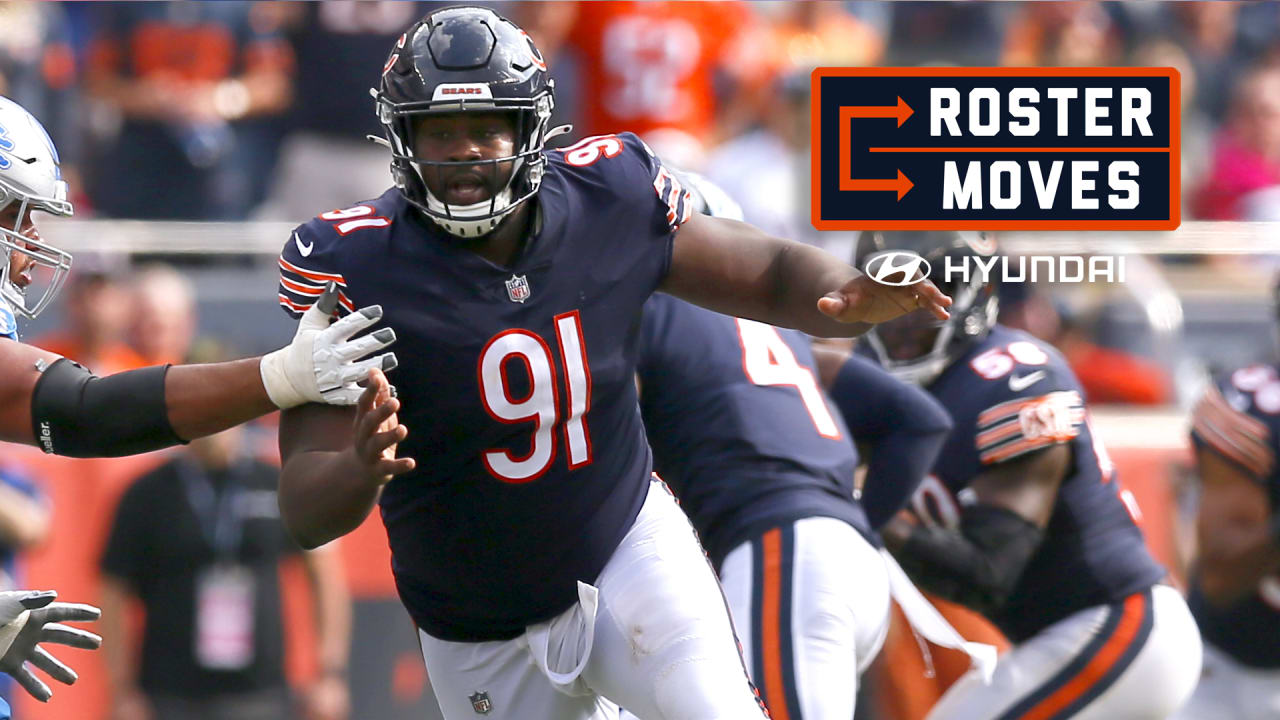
(901, 184)
(901, 111)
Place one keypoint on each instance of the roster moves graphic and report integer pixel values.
(995, 148)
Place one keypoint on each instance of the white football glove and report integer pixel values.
(320, 364)
(31, 617)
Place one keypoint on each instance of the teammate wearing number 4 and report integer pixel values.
(764, 467)
(528, 541)
(59, 406)
(1235, 584)
(1030, 526)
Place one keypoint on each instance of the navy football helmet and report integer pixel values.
(467, 59)
(917, 347)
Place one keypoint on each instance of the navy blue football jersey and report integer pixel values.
(740, 428)
(1239, 417)
(1010, 395)
(517, 383)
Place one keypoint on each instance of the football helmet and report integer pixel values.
(467, 59)
(29, 176)
(917, 347)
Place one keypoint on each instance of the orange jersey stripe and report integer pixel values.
(311, 274)
(998, 433)
(1011, 407)
(771, 634)
(299, 288)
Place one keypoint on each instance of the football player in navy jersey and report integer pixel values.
(1024, 519)
(1235, 583)
(744, 435)
(748, 441)
(528, 542)
(53, 403)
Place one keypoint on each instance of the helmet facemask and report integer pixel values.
(527, 163)
(43, 255)
(464, 60)
(917, 347)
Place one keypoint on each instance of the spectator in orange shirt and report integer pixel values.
(1061, 33)
(194, 87)
(653, 68)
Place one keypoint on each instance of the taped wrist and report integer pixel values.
(977, 567)
(77, 414)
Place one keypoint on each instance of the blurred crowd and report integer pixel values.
(235, 110)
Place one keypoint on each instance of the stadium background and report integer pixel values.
(170, 161)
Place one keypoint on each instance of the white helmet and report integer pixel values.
(29, 175)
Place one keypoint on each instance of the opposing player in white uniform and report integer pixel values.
(53, 403)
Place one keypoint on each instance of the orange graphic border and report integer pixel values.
(1174, 149)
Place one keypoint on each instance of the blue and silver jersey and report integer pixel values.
(739, 425)
(1239, 418)
(8, 322)
(1012, 394)
(517, 383)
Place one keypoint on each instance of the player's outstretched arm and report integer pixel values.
(72, 412)
(336, 461)
(980, 565)
(902, 424)
(736, 269)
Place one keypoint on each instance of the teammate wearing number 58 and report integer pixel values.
(528, 542)
(1024, 519)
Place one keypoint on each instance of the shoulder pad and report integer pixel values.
(1027, 398)
(628, 167)
(1237, 417)
(306, 266)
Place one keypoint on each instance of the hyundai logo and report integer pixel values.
(884, 265)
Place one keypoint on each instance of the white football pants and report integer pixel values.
(1229, 689)
(1135, 659)
(811, 604)
(653, 635)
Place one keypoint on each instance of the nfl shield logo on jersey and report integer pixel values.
(480, 701)
(518, 288)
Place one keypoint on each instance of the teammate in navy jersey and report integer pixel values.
(53, 403)
(528, 542)
(1024, 519)
(748, 441)
(1235, 583)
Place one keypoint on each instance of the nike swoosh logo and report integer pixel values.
(304, 249)
(1018, 384)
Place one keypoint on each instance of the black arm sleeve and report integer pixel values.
(977, 567)
(78, 414)
(903, 425)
